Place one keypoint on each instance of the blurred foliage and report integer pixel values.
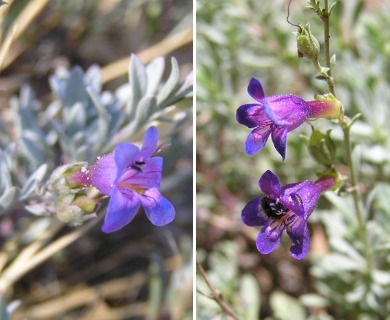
(55, 110)
(237, 40)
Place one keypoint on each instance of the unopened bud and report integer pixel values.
(74, 209)
(307, 43)
(69, 177)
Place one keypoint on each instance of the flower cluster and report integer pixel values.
(289, 207)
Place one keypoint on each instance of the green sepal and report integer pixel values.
(74, 209)
(322, 148)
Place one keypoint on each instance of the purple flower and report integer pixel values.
(132, 177)
(284, 208)
(278, 115)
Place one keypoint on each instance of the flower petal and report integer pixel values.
(279, 139)
(309, 193)
(103, 173)
(268, 240)
(287, 110)
(149, 145)
(300, 241)
(269, 184)
(157, 208)
(125, 154)
(252, 215)
(121, 210)
(255, 90)
(251, 115)
(256, 140)
(149, 177)
(294, 202)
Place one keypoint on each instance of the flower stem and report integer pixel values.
(355, 195)
(346, 126)
(348, 152)
(325, 15)
(216, 295)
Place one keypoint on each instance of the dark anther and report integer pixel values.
(273, 209)
(138, 166)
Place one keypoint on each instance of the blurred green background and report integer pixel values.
(237, 40)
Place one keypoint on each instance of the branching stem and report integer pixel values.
(215, 294)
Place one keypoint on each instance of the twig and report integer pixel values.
(215, 294)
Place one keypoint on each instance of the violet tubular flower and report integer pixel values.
(284, 208)
(132, 177)
(278, 115)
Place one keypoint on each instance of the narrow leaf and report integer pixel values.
(171, 83)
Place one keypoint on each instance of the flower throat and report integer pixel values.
(274, 210)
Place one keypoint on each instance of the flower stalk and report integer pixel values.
(346, 125)
(355, 195)
(325, 72)
(216, 295)
(325, 19)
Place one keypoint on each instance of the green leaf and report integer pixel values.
(171, 83)
(313, 300)
(359, 7)
(8, 199)
(75, 88)
(333, 62)
(31, 185)
(75, 118)
(354, 119)
(381, 277)
(23, 109)
(185, 91)
(286, 307)
(102, 121)
(335, 262)
(154, 71)
(145, 109)
(332, 6)
(250, 295)
(138, 82)
(93, 78)
(33, 148)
